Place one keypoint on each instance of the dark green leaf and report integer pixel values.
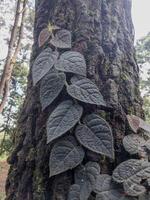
(62, 119)
(136, 123)
(43, 63)
(103, 183)
(96, 135)
(62, 39)
(107, 190)
(65, 155)
(85, 176)
(133, 122)
(43, 36)
(131, 173)
(51, 86)
(86, 91)
(133, 188)
(74, 192)
(133, 143)
(72, 61)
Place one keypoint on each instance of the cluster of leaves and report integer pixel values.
(67, 73)
(138, 170)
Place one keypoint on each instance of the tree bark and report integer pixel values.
(103, 32)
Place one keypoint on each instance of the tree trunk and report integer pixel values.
(12, 53)
(102, 31)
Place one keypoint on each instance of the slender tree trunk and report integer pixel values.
(103, 32)
(15, 41)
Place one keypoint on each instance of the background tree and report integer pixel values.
(10, 113)
(102, 31)
(18, 79)
(13, 49)
(143, 58)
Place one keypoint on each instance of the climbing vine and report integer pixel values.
(72, 131)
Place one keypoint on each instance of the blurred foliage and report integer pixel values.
(147, 107)
(9, 117)
(143, 50)
(143, 57)
(145, 84)
(11, 111)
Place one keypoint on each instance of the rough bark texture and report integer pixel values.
(102, 30)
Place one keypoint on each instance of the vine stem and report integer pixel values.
(66, 84)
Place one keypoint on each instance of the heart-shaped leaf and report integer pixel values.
(73, 62)
(51, 86)
(85, 176)
(74, 192)
(43, 36)
(96, 135)
(133, 188)
(137, 123)
(43, 63)
(134, 122)
(103, 183)
(62, 39)
(66, 154)
(107, 189)
(131, 173)
(133, 143)
(62, 119)
(86, 91)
